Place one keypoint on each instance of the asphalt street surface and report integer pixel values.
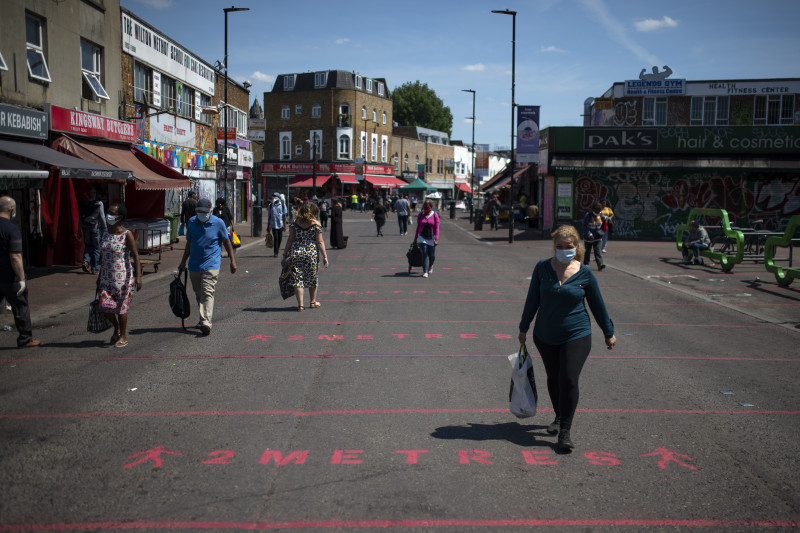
(388, 406)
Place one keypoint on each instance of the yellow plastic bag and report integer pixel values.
(235, 239)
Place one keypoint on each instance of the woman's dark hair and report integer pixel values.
(122, 212)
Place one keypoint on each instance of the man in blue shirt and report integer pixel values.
(205, 237)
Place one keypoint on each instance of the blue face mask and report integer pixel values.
(565, 256)
(203, 217)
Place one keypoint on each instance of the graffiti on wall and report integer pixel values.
(650, 203)
(625, 114)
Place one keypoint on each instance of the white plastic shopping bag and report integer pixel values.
(522, 396)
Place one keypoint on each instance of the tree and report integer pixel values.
(415, 104)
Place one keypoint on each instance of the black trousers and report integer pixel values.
(563, 364)
(277, 237)
(20, 309)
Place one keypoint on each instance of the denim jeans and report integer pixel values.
(91, 250)
(402, 220)
(20, 310)
(696, 248)
(428, 256)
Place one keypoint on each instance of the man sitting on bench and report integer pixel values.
(696, 241)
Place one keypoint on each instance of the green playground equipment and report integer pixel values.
(726, 261)
(783, 276)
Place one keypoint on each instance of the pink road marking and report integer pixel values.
(352, 356)
(278, 412)
(318, 524)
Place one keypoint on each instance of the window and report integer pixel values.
(90, 67)
(286, 146)
(374, 115)
(288, 82)
(358, 81)
(428, 165)
(438, 166)
(320, 80)
(363, 113)
(416, 162)
(380, 89)
(384, 117)
(344, 115)
(142, 77)
(316, 138)
(396, 162)
(2, 63)
(286, 113)
(316, 111)
(298, 109)
(205, 101)
(369, 86)
(344, 147)
(364, 144)
(374, 147)
(773, 109)
(384, 149)
(298, 150)
(654, 111)
(37, 64)
(237, 119)
(405, 162)
(184, 96)
(167, 93)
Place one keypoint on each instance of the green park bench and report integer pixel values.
(783, 276)
(720, 255)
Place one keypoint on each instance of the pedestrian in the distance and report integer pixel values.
(427, 236)
(188, 208)
(276, 222)
(306, 249)
(379, 215)
(563, 331)
(323, 213)
(593, 235)
(12, 274)
(120, 273)
(608, 227)
(223, 212)
(493, 211)
(413, 202)
(337, 232)
(205, 236)
(403, 210)
(93, 224)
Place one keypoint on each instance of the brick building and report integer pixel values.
(413, 146)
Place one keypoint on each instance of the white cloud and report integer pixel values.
(653, 24)
(343, 40)
(158, 4)
(551, 48)
(618, 32)
(477, 67)
(260, 76)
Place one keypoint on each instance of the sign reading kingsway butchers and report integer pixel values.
(89, 124)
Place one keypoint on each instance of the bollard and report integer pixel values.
(256, 216)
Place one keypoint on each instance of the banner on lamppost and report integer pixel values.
(481, 160)
(528, 134)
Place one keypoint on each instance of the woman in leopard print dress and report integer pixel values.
(306, 247)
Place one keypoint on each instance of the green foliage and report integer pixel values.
(415, 104)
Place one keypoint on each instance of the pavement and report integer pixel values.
(387, 407)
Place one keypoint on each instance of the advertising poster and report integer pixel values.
(482, 160)
(564, 199)
(528, 134)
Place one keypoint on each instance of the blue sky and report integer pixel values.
(566, 50)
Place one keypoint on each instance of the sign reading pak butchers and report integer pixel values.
(89, 124)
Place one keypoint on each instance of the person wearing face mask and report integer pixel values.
(563, 331)
(12, 273)
(118, 277)
(205, 237)
(93, 225)
(593, 234)
(427, 236)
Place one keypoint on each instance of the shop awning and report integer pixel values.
(307, 180)
(69, 166)
(347, 178)
(11, 169)
(464, 187)
(384, 181)
(149, 175)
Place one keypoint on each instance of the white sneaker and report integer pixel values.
(430, 270)
(425, 275)
(604, 251)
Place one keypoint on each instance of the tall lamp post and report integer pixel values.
(472, 174)
(513, 159)
(225, 116)
(313, 143)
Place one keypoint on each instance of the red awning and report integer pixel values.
(347, 178)
(307, 180)
(148, 173)
(464, 187)
(384, 181)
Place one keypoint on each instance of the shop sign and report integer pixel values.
(724, 88)
(329, 168)
(170, 129)
(639, 139)
(89, 124)
(149, 46)
(23, 122)
(221, 134)
(655, 84)
(258, 123)
(256, 135)
(245, 158)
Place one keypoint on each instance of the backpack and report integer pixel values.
(178, 301)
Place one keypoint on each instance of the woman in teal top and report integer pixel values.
(563, 331)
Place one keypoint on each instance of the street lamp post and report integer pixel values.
(225, 116)
(513, 158)
(472, 173)
(314, 162)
